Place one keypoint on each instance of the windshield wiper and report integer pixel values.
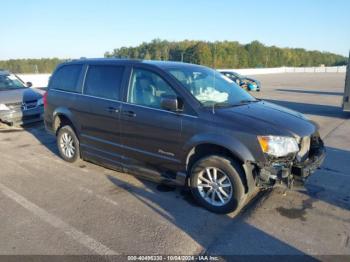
(247, 101)
(226, 104)
(223, 104)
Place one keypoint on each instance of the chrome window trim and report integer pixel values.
(157, 109)
(112, 100)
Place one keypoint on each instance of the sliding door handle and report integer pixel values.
(111, 109)
(128, 113)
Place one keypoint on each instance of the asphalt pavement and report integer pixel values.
(50, 207)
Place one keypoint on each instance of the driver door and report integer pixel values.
(151, 136)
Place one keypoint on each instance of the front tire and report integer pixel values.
(68, 144)
(216, 184)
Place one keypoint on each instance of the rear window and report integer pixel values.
(104, 81)
(66, 78)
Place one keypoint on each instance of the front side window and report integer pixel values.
(9, 82)
(66, 78)
(147, 88)
(104, 81)
(210, 87)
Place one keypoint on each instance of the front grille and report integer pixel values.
(30, 104)
(22, 106)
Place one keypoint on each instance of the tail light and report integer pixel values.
(45, 99)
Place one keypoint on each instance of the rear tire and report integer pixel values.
(68, 144)
(216, 184)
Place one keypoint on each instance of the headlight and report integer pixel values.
(278, 146)
(40, 102)
(4, 107)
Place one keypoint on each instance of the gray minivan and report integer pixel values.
(178, 123)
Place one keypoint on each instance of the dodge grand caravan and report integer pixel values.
(181, 123)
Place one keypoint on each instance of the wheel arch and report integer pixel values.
(231, 149)
(63, 117)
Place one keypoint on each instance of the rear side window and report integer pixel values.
(104, 81)
(66, 78)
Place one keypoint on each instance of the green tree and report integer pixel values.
(220, 54)
(228, 54)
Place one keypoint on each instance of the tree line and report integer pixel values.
(225, 54)
(228, 54)
(29, 66)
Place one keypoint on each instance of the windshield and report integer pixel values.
(9, 82)
(210, 87)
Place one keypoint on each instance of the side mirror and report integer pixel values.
(170, 103)
(29, 84)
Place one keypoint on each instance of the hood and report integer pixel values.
(18, 95)
(270, 119)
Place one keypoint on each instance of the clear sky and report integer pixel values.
(76, 28)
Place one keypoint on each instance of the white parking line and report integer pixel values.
(77, 235)
(90, 192)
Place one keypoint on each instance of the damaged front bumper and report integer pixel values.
(288, 171)
(17, 117)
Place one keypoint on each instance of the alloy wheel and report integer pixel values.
(67, 145)
(214, 186)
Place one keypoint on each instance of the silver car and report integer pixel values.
(19, 104)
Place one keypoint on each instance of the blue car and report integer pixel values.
(247, 83)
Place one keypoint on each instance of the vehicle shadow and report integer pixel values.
(216, 234)
(331, 183)
(38, 131)
(313, 109)
(311, 92)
